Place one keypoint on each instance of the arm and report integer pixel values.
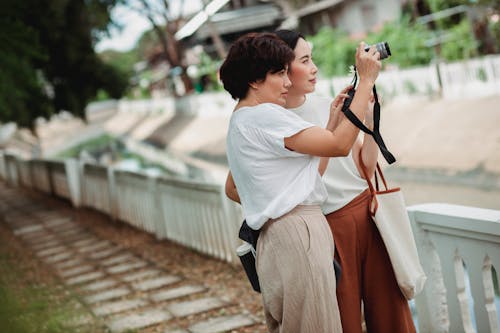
(322, 142)
(231, 191)
(335, 117)
(368, 147)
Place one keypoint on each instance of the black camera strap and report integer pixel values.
(376, 121)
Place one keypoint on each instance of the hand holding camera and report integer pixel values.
(368, 62)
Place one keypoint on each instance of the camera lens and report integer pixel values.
(382, 48)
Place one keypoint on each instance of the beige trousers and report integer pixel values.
(295, 268)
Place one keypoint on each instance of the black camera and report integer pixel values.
(382, 48)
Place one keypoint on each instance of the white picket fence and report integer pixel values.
(199, 216)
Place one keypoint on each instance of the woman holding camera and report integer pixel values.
(274, 159)
(367, 273)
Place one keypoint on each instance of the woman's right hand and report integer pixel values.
(368, 63)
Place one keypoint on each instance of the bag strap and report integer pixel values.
(373, 189)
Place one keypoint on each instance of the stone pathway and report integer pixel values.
(119, 288)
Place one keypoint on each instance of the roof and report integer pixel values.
(248, 18)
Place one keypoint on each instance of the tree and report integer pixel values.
(165, 24)
(478, 14)
(48, 62)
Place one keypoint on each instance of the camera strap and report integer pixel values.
(376, 121)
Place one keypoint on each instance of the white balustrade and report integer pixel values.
(11, 170)
(96, 188)
(60, 186)
(199, 216)
(471, 78)
(458, 246)
(135, 199)
(41, 178)
(24, 168)
(3, 171)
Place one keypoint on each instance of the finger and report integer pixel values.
(346, 89)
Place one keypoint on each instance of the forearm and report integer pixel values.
(346, 132)
(369, 154)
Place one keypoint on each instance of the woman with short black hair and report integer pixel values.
(273, 156)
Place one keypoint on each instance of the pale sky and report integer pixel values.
(134, 26)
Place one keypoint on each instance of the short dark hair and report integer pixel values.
(250, 59)
(290, 37)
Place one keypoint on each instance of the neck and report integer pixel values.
(294, 101)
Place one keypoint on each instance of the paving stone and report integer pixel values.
(71, 233)
(28, 229)
(139, 320)
(37, 236)
(104, 253)
(63, 227)
(118, 306)
(93, 247)
(84, 278)
(54, 242)
(126, 267)
(155, 283)
(52, 250)
(107, 295)
(86, 241)
(68, 263)
(140, 275)
(168, 294)
(222, 324)
(58, 257)
(75, 270)
(199, 305)
(40, 238)
(53, 221)
(99, 285)
(117, 259)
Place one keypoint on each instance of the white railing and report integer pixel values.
(59, 179)
(469, 78)
(24, 168)
(96, 188)
(136, 200)
(458, 247)
(41, 176)
(199, 216)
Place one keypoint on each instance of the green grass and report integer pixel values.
(32, 300)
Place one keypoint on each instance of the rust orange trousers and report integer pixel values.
(367, 273)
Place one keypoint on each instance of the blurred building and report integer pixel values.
(217, 30)
(356, 17)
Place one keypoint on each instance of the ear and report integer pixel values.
(254, 85)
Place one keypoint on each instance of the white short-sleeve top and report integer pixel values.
(342, 179)
(271, 179)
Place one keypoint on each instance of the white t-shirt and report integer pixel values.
(342, 180)
(271, 179)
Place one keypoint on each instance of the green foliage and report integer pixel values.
(333, 51)
(461, 44)
(406, 41)
(48, 62)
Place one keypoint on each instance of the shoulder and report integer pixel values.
(319, 100)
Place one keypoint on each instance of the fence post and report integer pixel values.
(72, 167)
(113, 200)
(431, 302)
